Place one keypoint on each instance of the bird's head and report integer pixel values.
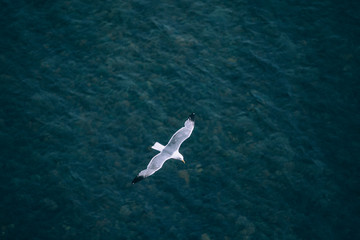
(180, 157)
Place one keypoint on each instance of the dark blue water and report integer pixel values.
(88, 86)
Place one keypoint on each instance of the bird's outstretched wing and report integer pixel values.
(181, 135)
(155, 164)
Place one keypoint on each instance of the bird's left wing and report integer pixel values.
(180, 136)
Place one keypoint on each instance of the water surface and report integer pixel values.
(88, 86)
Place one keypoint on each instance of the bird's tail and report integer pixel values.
(158, 146)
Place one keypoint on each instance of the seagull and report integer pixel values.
(171, 150)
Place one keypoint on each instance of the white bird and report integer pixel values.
(171, 150)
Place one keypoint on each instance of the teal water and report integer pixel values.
(88, 86)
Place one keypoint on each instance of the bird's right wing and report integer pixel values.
(157, 161)
(155, 164)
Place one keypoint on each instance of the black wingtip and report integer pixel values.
(192, 117)
(137, 179)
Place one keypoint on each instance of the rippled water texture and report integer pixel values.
(88, 86)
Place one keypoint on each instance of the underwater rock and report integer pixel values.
(205, 236)
(184, 175)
